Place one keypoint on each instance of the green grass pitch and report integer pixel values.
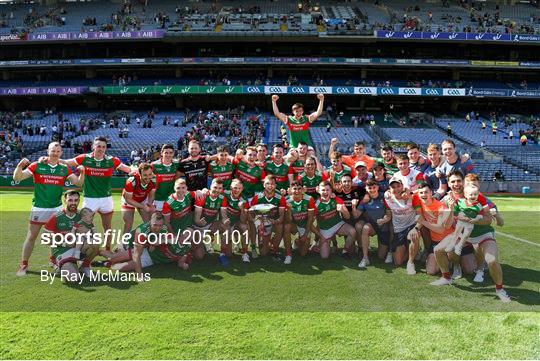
(311, 309)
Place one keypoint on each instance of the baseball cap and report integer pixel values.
(395, 179)
(360, 164)
(378, 164)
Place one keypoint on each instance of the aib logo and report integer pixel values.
(390, 34)
(211, 89)
(453, 36)
(167, 90)
(497, 37)
(479, 36)
(229, 89)
(142, 90)
(124, 90)
(185, 90)
(435, 35)
(407, 35)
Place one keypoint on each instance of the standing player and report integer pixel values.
(417, 161)
(206, 218)
(194, 168)
(453, 161)
(330, 213)
(300, 215)
(404, 221)
(410, 177)
(337, 170)
(277, 167)
(362, 175)
(358, 155)
(377, 218)
(311, 177)
(49, 179)
(165, 172)
(379, 175)
(237, 207)
(98, 169)
(435, 180)
(222, 168)
(249, 173)
(275, 219)
(138, 194)
(298, 123)
(388, 160)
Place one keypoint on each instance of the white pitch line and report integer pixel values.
(517, 238)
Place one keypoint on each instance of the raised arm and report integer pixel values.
(332, 147)
(19, 174)
(313, 116)
(275, 108)
(77, 181)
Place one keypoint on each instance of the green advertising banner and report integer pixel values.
(7, 181)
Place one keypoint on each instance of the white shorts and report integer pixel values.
(159, 205)
(127, 206)
(329, 233)
(102, 205)
(490, 236)
(146, 260)
(41, 215)
(301, 231)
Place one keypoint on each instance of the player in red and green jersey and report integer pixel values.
(208, 210)
(222, 168)
(49, 179)
(298, 123)
(152, 244)
(249, 173)
(273, 223)
(138, 194)
(329, 213)
(388, 159)
(299, 219)
(237, 207)
(165, 173)
(337, 170)
(279, 168)
(311, 177)
(177, 209)
(98, 170)
(61, 223)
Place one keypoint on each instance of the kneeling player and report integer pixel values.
(329, 212)
(206, 217)
(236, 212)
(273, 223)
(377, 219)
(300, 213)
(138, 194)
(152, 243)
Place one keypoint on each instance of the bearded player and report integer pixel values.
(49, 179)
(138, 194)
(299, 218)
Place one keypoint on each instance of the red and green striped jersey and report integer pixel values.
(163, 253)
(211, 207)
(299, 130)
(299, 210)
(165, 177)
(49, 183)
(311, 183)
(277, 200)
(280, 172)
(180, 211)
(338, 175)
(223, 172)
(327, 213)
(233, 207)
(136, 189)
(98, 174)
(61, 223)
(251, 177)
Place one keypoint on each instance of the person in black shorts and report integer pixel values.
(348, 192)
(376, 222)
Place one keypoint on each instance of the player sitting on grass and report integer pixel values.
(208, 210)
(300, 215)
(237, 207)
(151, 243)
(273, 222)
(138, 194)
(470, 208)
(330, 213)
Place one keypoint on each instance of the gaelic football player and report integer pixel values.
(138, 193)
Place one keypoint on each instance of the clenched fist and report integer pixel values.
(320, 96)
(275, 98)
